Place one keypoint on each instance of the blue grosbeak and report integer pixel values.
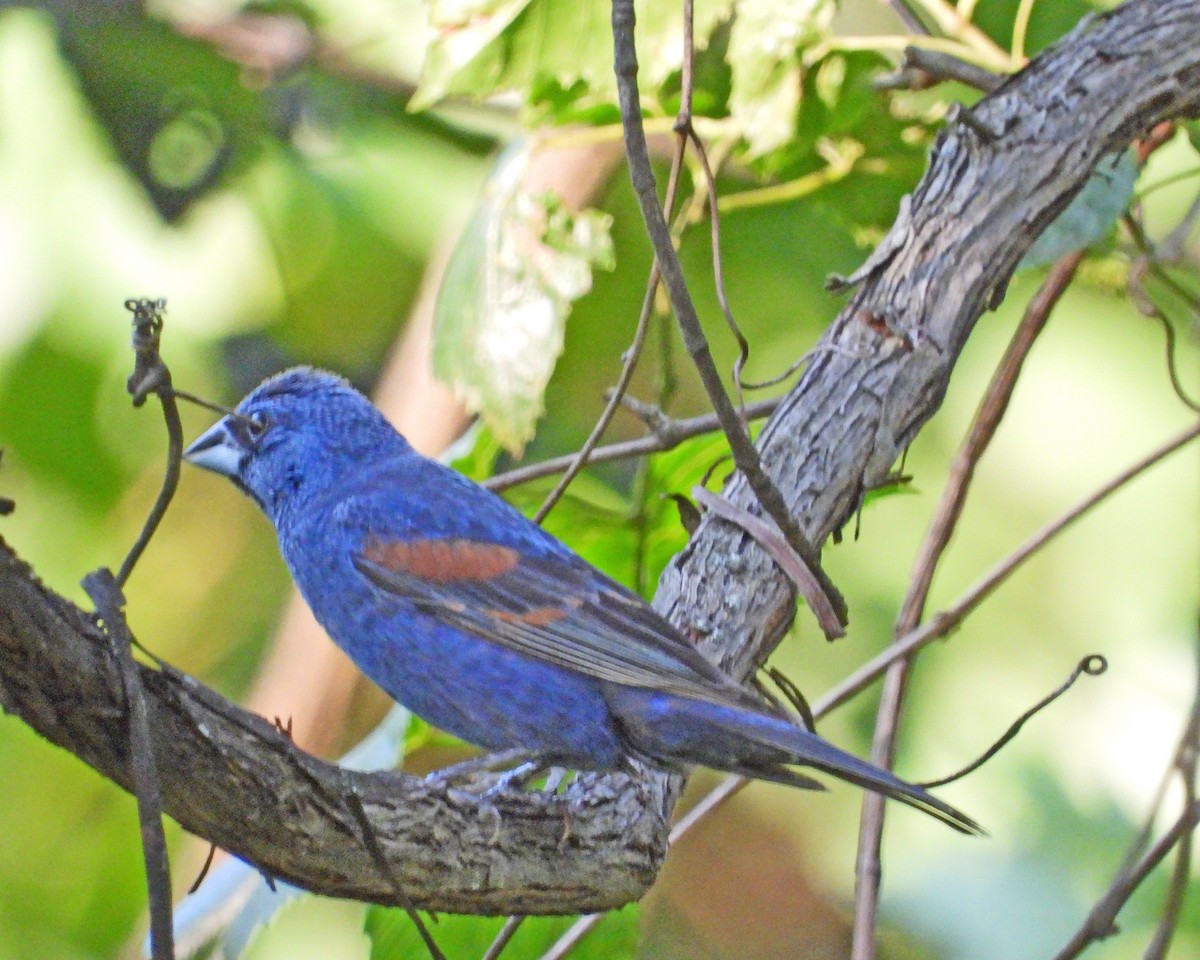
(483, 623)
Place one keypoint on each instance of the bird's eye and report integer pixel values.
(256, 426)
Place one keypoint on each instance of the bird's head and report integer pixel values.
(294, 436)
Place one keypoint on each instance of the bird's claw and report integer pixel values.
(516, 778)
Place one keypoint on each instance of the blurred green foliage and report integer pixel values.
(287, 204)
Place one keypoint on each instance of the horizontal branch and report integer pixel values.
(232, 778)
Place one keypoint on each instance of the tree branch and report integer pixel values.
(232, 778)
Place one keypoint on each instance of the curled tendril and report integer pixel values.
(1093, 665)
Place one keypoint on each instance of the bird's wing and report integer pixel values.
(552, 608)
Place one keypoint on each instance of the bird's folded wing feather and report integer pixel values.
(551, 608)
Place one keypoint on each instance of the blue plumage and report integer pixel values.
(480, 621)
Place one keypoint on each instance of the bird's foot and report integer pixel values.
(486, 777)
(517, 778)
(465, 774)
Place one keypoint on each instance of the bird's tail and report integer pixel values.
(760, 745)
(810, 750)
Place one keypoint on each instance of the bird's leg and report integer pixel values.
(520, 775)
(528, 765)
(485, 763)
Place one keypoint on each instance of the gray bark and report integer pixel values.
(230, 777)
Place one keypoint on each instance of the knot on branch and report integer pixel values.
(150, 374)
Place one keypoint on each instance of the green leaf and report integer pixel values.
(474, 455)
(592, 518)
(394, 937)
(1048, 21)
(485, 47)
(1192, 129)
(313, 928)
(1090, 216)
(765, 51)
(178, 113)
(672, 473)
(505, 297)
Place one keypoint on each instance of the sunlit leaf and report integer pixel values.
(765, 48)
(504, 301)
(484, 47)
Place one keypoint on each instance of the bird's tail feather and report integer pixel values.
(807, 749)
(757, 744)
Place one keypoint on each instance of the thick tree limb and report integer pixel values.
(232, 778)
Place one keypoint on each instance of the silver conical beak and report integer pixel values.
(217, 450)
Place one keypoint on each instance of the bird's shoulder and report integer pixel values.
(414, 498)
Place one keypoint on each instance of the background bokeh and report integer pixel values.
(288, 210)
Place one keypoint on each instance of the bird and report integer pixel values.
(484, 624)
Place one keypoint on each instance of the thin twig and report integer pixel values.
(1187, 757)
(840, 163)
(1100, 923)
(768, 536)
(507, 932)
(672, 433)
(947, 620)
(379, 858)
(907, 16)
(583, 456)
(868, 869)
(150, 375)
(1093, 665)
(1147, 307)
(922, 68)
(208, 862)
(642, 175)
(106, 595)
(714, 218)
(573, 934)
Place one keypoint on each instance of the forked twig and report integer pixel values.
(667, 434)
